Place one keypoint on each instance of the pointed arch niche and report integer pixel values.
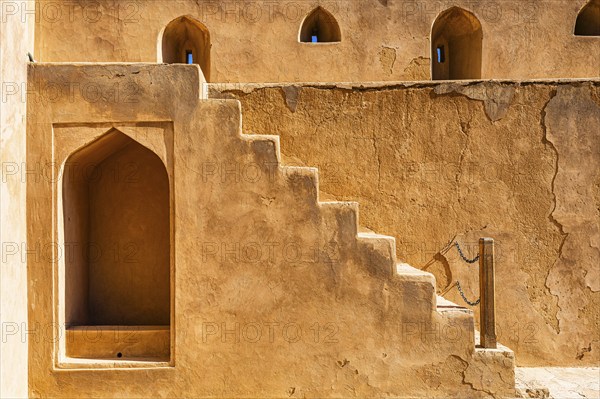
(588, 20)
(320, 26)
(115, 225)
(186, 41)
(456, 45)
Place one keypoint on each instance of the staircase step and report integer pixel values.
(446, 304)
(266, 149)
(406, 272)
(343, 215)
(383, 243)
(500, 348)
(419, 289)
(303, 181)
(379, 251)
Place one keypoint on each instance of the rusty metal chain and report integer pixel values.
(462, 294)
(462, 255)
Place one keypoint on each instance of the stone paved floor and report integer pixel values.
(561, 382)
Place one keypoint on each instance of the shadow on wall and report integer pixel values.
(185, 41)
(456, 45)
(117, 211)
(588, 20)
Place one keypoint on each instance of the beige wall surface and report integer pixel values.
(14, 44)
(381, 40)
(273, 292)
(519, 162)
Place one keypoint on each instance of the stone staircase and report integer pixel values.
(428, 320)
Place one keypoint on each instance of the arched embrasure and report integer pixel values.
(186, 41)
(320, 26)
(588, 20)
(456, 45)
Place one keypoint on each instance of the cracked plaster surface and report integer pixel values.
(434, 162)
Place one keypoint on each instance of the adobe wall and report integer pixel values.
(381, 40)
(518, 162)
(14, 44)
(273, 292)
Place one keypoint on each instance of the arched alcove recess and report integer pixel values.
(116, 220)
(320, 26)
(456, 45)
(588, 20)
(182, 37)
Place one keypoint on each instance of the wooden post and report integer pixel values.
(487, 307)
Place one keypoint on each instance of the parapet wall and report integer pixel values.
(517, 161)
(258, 41)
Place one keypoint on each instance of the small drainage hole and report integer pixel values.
(119, 354)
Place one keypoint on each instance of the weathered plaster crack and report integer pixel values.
(291, 94)
(317, 127)
(414, 62)
(242, 89)
(378, 157)
(464, 128)
(464, 381)
(387, 58)
(463, 373)
(248, 88)
(581, 353)
(496, 98)
(551, 217)
(393, 197)
(501, 375)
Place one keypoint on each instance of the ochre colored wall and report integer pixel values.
(274, 293)
(15, 35)
(381, 40)
(515, 161)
